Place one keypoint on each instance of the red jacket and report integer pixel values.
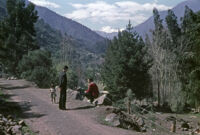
(93, 89)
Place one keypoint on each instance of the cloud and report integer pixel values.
(101, 11)
(109, 29)
(45, 3)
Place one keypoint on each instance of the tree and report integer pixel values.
(174, 29)
(72, 80)
(190, 61)
(36, 66)
(17, 32)
(126, 66)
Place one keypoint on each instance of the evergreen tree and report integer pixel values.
(126, 66)
(17, 32)
(174, 29)
(191, 63)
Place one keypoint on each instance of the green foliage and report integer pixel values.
(174, 29)
(2, 9)
(126, 66)
(37, 67)
(48, 38)
(190, 61)
(130, 94)
(177, 101)
(72, 79)
(17, 33)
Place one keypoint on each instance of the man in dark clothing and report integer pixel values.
(63, 88)
(92, 92)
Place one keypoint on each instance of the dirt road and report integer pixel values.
(45, 118)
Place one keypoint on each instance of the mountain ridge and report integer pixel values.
(145, 27)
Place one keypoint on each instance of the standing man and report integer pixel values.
(92, 92)
(63, 88)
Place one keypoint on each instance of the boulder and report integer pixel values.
(126, 121)
(73, 94)
(113, 120)
(103, 100)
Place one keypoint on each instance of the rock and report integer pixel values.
(140, 122)
(1, 122)
(9, 130)
(4, 119)
(16, 129)
(113, 119)
(103, 100)
(12, 123)
(72, 94)
(126, 121)
(22, 123)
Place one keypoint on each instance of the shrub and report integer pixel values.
(37, 67)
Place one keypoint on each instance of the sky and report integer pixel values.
(107, 15)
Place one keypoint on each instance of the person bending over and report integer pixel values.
(92, 92)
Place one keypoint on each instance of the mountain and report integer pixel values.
(145, 27)
(67, 26)
(106, 35)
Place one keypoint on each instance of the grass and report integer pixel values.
(26, 129)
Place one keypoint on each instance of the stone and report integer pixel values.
(12, 123)
(4, 119)
(16, 129)
(22, 123)
(9, 130)
(113, 120)
(1, 122)
(140, 122)
(10, 117)
(103, 100)
(72, 94)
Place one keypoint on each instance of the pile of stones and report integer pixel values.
(118, 118)
(10, 126)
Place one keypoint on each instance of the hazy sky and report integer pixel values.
(106, 15)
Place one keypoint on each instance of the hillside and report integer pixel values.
(144, 27)
(88, 37)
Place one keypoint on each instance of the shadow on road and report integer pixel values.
(16, 109)
(82, 108)
(10, 87)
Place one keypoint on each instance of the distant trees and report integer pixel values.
(126, 66)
